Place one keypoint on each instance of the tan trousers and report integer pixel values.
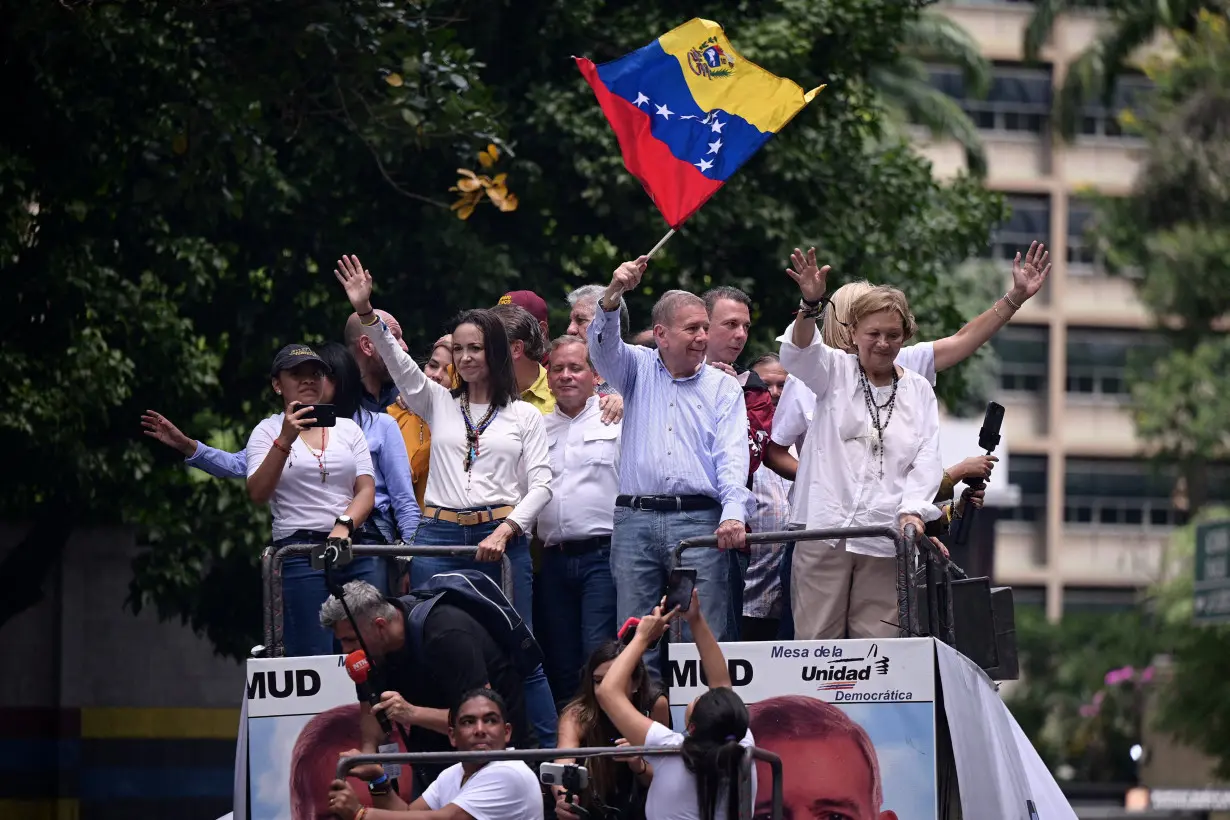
(837, 594)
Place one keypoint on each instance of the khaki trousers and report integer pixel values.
(837, 594)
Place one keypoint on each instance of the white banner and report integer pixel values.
(853, 721)
(901, 670)
(303, 713)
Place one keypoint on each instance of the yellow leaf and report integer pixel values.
(468, 185)
(466, 172)
(493, 151)
(509, 204)
(485, 181)
(394, 79)
(498, 179)
(485, 159)
(465, 211)
(497, 195)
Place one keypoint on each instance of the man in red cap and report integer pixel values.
(535, 304)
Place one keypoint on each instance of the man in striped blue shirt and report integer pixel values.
(684, 462)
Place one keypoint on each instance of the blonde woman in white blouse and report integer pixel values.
(871, 459)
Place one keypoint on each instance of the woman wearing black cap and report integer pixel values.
(318, 482)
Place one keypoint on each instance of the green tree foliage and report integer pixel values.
(1192, 705)
(1132, 25)
(1172, 233)
(1078, 721)
(182, 175)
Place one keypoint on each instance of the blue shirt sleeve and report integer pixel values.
(393, 462)
(219, 463)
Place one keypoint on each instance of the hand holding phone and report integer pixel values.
(325, 415)
(679, 590)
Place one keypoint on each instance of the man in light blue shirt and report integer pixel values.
(684, 462)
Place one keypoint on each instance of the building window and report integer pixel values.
(1083, 256)
(1100, 120)
(1106, 600)
(1029, 221)
(1023, 353)
(1098, 361)
(1019, 100)
(1101, 493)
(1028, 473)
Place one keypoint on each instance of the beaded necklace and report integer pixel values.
(873, 410)
(475, 431)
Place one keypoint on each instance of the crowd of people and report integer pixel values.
(582, 461)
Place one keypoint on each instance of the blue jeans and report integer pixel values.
(432, 532)
(578, 613)
(785, 627)
(739, 561)
(642, 554)
(304, 592)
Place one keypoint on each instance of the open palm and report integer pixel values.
(357, 282)
(1030, 274)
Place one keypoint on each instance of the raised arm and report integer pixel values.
(1028, 276)
(211, 460)
(612, 693)
(803, 352)
(417, 391)
(712, 661)
(612, 356)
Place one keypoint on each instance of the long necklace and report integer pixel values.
(320, 457)
(475, 431)
(873, 410)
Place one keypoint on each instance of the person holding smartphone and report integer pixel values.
(702, 782)
(318, 482)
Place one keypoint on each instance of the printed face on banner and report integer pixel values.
(853, 721)
(303, 714)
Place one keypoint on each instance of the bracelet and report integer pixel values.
(1008, 299)
(381, 780)
(995, 307)
(805, 312)
(805, 302)
(375, 320)
(360, 813)
(278, 444)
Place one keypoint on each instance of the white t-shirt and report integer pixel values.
(501, 790)
(302, 501)
(672, 794)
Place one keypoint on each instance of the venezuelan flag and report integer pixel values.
(688, 110)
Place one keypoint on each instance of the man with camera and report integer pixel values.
(419, 677)
(495, 790)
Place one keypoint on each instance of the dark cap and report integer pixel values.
(294, 355)
(529, 300)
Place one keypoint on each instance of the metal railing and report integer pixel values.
(924, 574)
(746, 797)
(271, 578)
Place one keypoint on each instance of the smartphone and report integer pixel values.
(325, 414)
(679, 589)
(570, 776)
(628, 630)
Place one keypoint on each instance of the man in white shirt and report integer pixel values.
(578, 604)
(499, 790)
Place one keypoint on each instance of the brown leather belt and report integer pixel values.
(468, 518)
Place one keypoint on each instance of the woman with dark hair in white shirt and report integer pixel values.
(490, 472)
(871, 459)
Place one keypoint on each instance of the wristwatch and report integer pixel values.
(347, 522)
(380, 786)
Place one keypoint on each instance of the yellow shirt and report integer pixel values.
(417, 436)
(539, 393)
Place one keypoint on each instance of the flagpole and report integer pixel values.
(661, 242)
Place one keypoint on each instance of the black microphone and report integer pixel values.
(358, 667)
(988, 440)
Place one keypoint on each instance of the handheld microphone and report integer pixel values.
(988, 440)
(358, 668)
